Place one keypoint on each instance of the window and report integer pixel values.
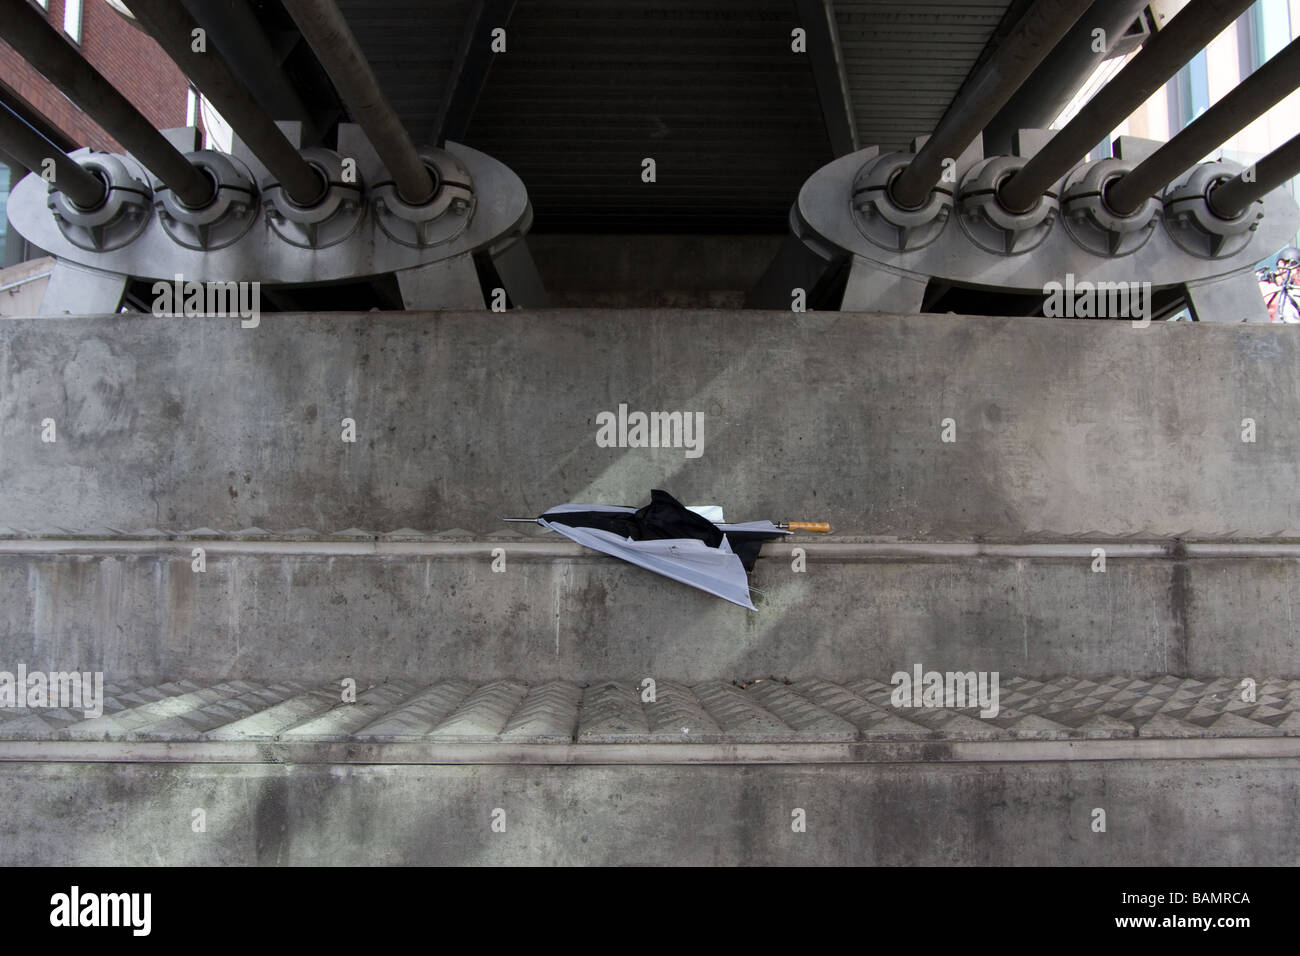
(1249, 47)
(1274, 26)
(72, 19)
(4, 202)
(1190, 90)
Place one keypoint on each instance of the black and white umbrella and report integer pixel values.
(670, 539)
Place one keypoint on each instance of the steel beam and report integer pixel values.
(171, 25)
(470, 71)
(1160, 58)
(1033, 37)
(30, 148)
(335, 46)
(829, 74)
(40, 44)
(1250, 99)
(1051, 87)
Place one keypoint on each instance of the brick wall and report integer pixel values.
(126, 56)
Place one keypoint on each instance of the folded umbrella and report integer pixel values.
(670, 539)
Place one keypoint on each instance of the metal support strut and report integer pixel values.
(1249, 100)
(980, 98)
(32, 149)
(1042, 97)
(39, 44)
(1160, 58)
(171, 25)
(1231, 198)
(330, 38)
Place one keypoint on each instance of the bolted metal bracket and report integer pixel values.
(119, 218)
(453, 225)
(887, 224)
(227, 216)
(989, 224)
(822, 222)
(444, 217)
(1196, 228)
(1092, 223)
(332, 218)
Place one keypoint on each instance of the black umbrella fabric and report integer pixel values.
(667, 518)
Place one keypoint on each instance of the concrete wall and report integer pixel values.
(1061, 426)
(1162, 813)
(1063, 429)
(318, 617)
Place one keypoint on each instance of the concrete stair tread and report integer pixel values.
(615, 711)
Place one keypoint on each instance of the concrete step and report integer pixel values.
(318, 609)
(807, 711)
(1210, 810)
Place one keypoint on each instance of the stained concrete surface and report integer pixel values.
(1162, 812)
(1060, 426)
(315, 617)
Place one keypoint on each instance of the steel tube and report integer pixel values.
(171, 25)
(1163, 55)
(249, 53)
(1230, 198)
(335, 46)
(40, 44)
(1034, 36)
(29, 147)
(1250, 99)
(1051, 87)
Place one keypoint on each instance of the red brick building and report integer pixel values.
(114, 46)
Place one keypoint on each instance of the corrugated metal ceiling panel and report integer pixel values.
(906, 61)
(411, 46)
(709, 89)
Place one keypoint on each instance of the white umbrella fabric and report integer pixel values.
(717, 570)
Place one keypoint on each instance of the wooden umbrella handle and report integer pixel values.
(819, 527)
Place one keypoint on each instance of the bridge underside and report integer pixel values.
(821, 248)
